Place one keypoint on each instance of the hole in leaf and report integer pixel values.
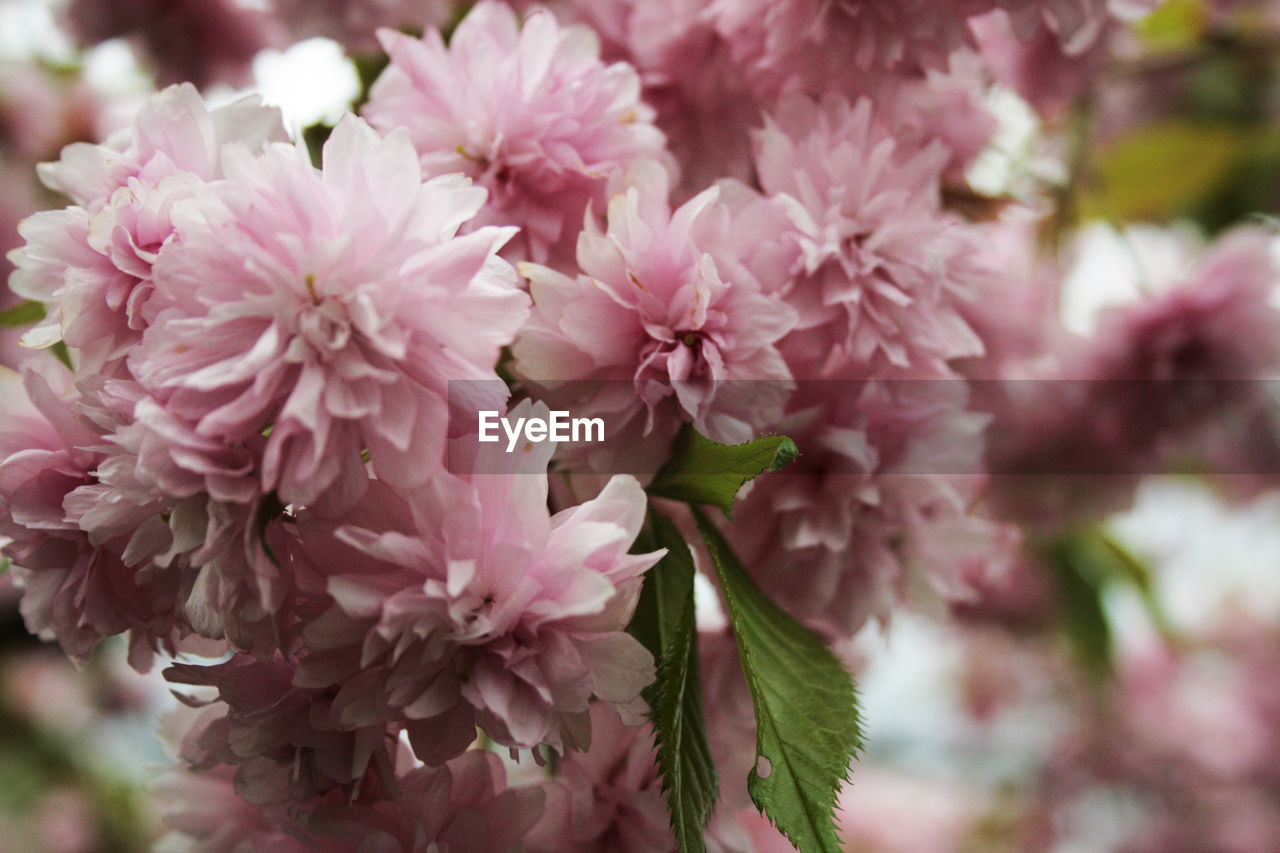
(763, 767)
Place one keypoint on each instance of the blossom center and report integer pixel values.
(323, 323)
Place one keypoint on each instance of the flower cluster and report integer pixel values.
(249, 455)
(258, 456)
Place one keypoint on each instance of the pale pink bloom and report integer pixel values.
(1038, 66)
(1188, 735)
(93, 271)
(731, 722)
(77, 588)
(468, 603)
(465, 806)
(528, 111)
(1198, 709)
(174, 132)
(1020, 597)
(878, 271)
(667, 314)
(744, 831)
(1215, 321)
(201, 41)
(91, 264)
(327, 311)
(1015, 313)
(707, 116)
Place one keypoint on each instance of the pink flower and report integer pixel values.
(203, 814)
(665, 304)
(466, 805)
(1215, 322)
(613, 792)
(91, 264)
(1077, 24)
(875, 512)
(463, 806)
(1158, 376)
(529, 112)
(947, 105)
(191, 511)
(19, 198)
(877, 269)
(77, 588)
(42, 110)
(703, 103)
(174, 132)
(467, 603)
(327, 310)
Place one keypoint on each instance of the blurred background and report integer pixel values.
(1115, 687)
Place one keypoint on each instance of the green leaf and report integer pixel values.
(63, 354)
(1118, 563)
(701, 471)
(665, 624)
(1081, 578)
(1177, 25)
(1165, 170)
(315, 136)
(808, 727)
(22, 314)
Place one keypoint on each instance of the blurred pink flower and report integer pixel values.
(42, 110)
(1158, 376)
(353, 22)
(890, 811)
(197, 41)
